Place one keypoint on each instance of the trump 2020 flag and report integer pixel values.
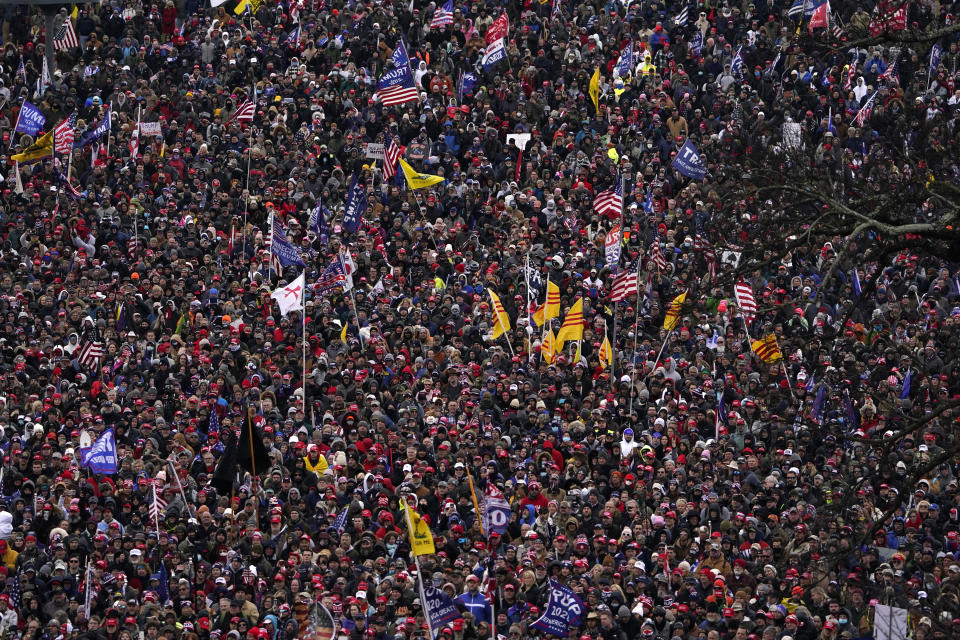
(564, 611)
(496, 511)
(102, 456)
(355, 206)
(31, 120)
(440, 607)
(495, 53)
(689, 163)
(103, 129)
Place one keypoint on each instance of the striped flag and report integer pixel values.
(610, 201)
(396, 86)
(864, 114)
(390, 157)
(796, 10)
(767, 349)
(442, 16)
(64, 133)
(606, 354)
(748, 304)
(91, 353)
(572, 328)
(672, 319)
(332, 278)
(65, 37)
(159, 506)
(132, 246)
(682, 18)
(891, 76)
(656, 256)
(624, 285)
(501, 321)
(244, 112)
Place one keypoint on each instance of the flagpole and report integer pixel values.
(110, 112)
(633, 357)
(416, 562)
(246, 202)
(272, 240)
(476, 504)
(662, 347)
(13, 134)
(183, 494)
(303, 315)
(784, 367)
(70, 165)
(253, 469)
(156, 510)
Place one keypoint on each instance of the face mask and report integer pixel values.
(842, 621)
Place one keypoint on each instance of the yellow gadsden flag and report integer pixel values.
(767, 349)
(595, 89)
(606, 353)
(501, 321)
(673, 312)
(418, 180)
(572, 328)
(42, 148)
(421, 540)
(549, 309)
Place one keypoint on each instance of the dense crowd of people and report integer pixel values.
(684, 489)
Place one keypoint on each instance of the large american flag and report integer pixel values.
(396, 86)
(64, 134)
(244, 112)
(748, 304)
(610, 202)
(91, 353)
(443, 15)
(65, 37)
(656, 255)
(391, 155)
(624, 286)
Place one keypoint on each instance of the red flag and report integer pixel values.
(820, 16)
(499, 28)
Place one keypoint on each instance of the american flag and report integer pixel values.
(397, 86)
(15, 593)
(610, 201)
(624, 286)
(65, 37)
(91, 353)
(748, 304)
(159, 506)
(864, 114)
(132, 246)
(341, 522)
(891, 76)
(332, 278)
(656, 255)
(64, 133)
(701, 244)
(390, 157)
(244, 112)
(443, 15)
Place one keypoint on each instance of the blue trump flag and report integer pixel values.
(286, 253)
(440, 607)
(318, 221)
(103, 129)
(102, 456)
(689, 163)
(564, 611)
(355, 206)
(494, 54)
(905, 393)
(31, 120)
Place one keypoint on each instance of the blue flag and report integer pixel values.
(468, 82)
(102, 456)
(935, 53)
(625, 62)
(689, 163)
(440, 607)
(696, 45)
(857, 289)
(495, 53)
(736, 65)
(286, 253)
(648, 202)
(819, 402)
(103, 129)
(905, 392)
(564, 611)
(31, 120)
(318, 220)
(355, 206)
(163, 589)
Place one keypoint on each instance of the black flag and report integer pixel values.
(226, 471)
(251, 454)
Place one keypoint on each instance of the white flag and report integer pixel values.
(18, 184)
(349, 267)
(45, 79)
(290, 297)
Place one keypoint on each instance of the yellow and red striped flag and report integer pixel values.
(501, 321)
(572, 328)
(606, 353)
(767, 349)
(548, 347)
(549, 309)
(673, 312)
